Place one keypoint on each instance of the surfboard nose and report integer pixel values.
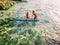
(17, 18)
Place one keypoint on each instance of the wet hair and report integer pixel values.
(33, 11)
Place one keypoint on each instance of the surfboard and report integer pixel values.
(30, 20)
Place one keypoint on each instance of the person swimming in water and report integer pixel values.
(34, 15)
(27, 16)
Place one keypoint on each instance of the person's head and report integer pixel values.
(33, 11)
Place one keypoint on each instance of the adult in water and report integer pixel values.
(27, 16)
(34, 15)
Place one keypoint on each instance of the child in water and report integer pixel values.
(27, 16)
(34, 15)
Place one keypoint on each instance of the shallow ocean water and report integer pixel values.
(48, 15)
